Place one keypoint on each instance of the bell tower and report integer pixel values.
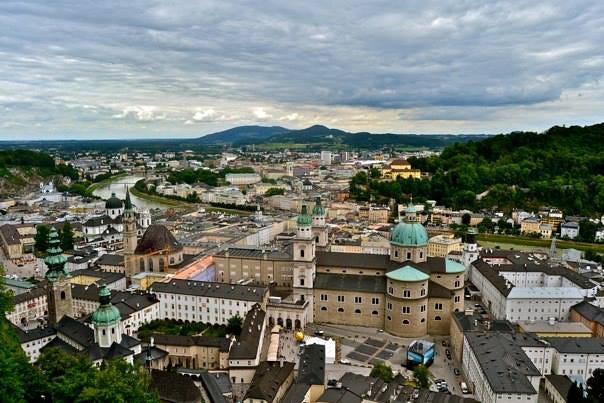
(107, 321)
(319, 227)
(58, 290)
(304, 260)
(129, 237)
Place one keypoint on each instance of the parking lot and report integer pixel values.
(361, 348)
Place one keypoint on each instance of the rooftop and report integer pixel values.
(211, 289)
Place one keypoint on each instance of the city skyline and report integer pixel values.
(111, 70)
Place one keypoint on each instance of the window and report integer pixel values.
(62, 294)
(340, 309)
(408, 255)
(357, 311)
(161, 265)
(323, 297)
(340, 298)
(388, 317)
(437, 318)
(457, 283)
(301, 252)
(141, 264)
(390, 290)
(457, 298)
(374, 312)
(406, 293)
(406, 322)
(389, 305)
(422, 292)
(375, 301)
(438, 306)
(406, 309)
(422, 308)
(301, 282)
(395, 253)
(150, 264)
(323, 308)
(358, 300)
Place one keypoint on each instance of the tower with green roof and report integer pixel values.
(304, 261)
(58, 290)
(319, 227)
(107, 320)
(409, 239)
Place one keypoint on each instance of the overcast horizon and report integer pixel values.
(153, 69)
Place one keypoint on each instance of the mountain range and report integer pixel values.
(321, 135)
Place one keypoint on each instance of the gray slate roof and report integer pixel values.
(211, 289)
(349, 282)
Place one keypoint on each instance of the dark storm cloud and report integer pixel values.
(74, 62)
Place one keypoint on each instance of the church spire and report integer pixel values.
(128, 203)
(55, 261)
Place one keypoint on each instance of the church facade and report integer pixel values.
(406, 293)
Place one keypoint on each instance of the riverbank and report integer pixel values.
(540, 243)
(160, 200)
(211, 209)
(107, 182)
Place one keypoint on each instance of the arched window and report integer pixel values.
(437, 318)
(421, 255)
(457, 283)
(141, 264)
(340, 309)
(374, 313)
(395, 253)
(301, 252)
(317, 239)
(406, 322)
(161, 264)
(358, 311)
(408, 255)
(62, 294)
(423, 320)
(406, 293)
(388, 317)
(150, 264)
(323, 308)
(171, 260)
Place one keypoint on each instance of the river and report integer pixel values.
(119, 188)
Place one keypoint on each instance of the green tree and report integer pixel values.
(382, 371)
(466, 218)
(375, 173)
(18, 380)
(486, 225)
(41, 238)
(595, 387)
(587, 231)
(274, 192)
(575, 394)
(66, 236)
(118, 381)
(422, 376)
(234, 325)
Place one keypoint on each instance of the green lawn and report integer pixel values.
(182, 329)
(159, 199)
(541, 243)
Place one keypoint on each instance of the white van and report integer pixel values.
(464, 388)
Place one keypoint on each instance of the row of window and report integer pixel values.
(357, 300)
(356, 311)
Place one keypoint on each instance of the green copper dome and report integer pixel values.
(304, 219)
(106, 314)
(318, 209)
(409, 234)
(451, 266)
(407, 274)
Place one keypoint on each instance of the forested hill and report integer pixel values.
(563, 167)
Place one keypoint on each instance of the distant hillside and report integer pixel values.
(319, 135)
(563, 167)
(242, 134)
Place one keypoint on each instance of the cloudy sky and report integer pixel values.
(114, 69)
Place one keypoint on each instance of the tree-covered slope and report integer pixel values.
(563, 167)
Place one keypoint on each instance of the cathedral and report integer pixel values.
(106, 230)
(406, 293)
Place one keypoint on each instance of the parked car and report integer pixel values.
(345, 361)
(456, 371)
(319, 332)
(332, 382)
(464, 388)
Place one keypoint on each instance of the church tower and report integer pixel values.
(129, 237)
(107, 321)
(304, 259)
(319, 227)
(58, 290)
